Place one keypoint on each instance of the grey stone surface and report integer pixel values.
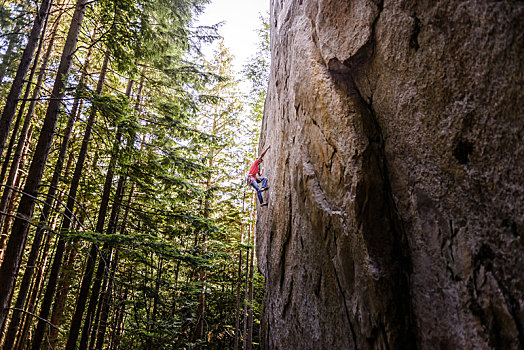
(396, 216)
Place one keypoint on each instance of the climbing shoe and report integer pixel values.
(264, 189)
(264, 204)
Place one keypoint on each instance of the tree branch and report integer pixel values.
(38, 317)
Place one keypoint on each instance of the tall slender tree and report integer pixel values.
(18, 82)
(90, 265)
(16, 243)
(68, 216)
(21, 140)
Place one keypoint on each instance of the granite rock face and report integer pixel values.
(396, 216)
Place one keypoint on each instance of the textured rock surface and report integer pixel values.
(396, 216)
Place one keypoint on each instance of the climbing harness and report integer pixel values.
(249, 180)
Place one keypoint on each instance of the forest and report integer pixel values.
(126, 222)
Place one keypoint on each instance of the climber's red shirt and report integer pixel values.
(253, 171)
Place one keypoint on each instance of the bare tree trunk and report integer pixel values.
(33, 254)
(26, 320)
(121, 305)
(246, 292)
(37, 284)
(16, 244)
(119, 322)
(250, 300)
(62, 293)
(11, 207)
(36, 91)
(18, 82)
(239, 285)
(201, 309)
(102, 266)
(50, 197)
(90, 265)
(95, 299)
(91, 262)
(14, 133)
(119, 318)
(31, 305)
(105, 305)
(5, 214)
(23, 134)
(8, 186)
(53, 277)
(64, 286)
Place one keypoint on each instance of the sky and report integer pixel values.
(241, 20)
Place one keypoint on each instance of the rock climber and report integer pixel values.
(253, 178)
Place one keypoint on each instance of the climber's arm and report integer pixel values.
(263, 153)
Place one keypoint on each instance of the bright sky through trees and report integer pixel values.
(241, 20)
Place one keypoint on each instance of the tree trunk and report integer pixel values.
(14, 133)
(246, 291)
(249, 335)
(93, 301)
(201, 309)
(67, 220)
(38, 85)
(91, 261)
(35, 292)
(50, 197)
(88, 272)
(61, 294)
(8, 211)
(111, 228)
(16, 244)
(239, 285)
(105, 305)
(37, 283)
(119, 322)
(8, 56)
(119, 318)
(11, 208)
(18, 82)
(63, 288)
(121, 305)
(33, 254)
(23, 134)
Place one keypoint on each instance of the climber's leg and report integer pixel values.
(259, 192)
(264, 183)
(263, 180)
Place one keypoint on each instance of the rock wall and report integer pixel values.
(396, 211)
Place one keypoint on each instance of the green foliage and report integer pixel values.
(178, 143)
(15, 23)
(257, 70)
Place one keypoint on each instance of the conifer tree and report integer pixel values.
(17, 240)
(18, 81)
